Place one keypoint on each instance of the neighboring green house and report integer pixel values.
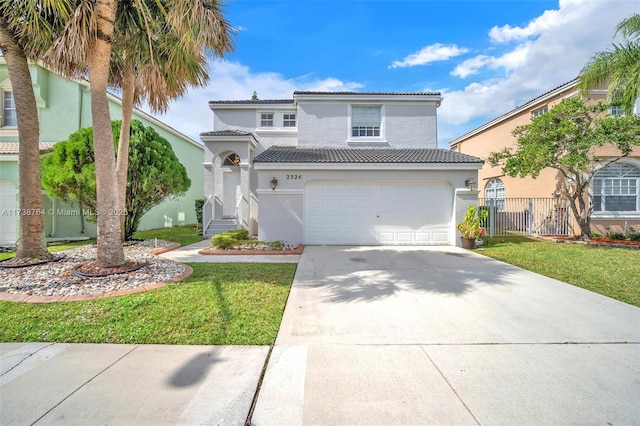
(64, 106)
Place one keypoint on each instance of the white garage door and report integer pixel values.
(7, 213)
(377, 213)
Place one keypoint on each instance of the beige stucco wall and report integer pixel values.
(499, 136)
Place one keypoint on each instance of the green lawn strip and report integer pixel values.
(613, 272)
(220, 304)
(183, 235)
(54, 248)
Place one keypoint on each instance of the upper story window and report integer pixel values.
(538, 112)
(616, 188)
(494, 191)
(9, 116)
(288, 120)
(266, 119)
(366, 120)
(616, 111)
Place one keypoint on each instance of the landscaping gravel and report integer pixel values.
(57, 278)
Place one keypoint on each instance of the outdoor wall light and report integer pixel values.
(470, 183)
(274, 183)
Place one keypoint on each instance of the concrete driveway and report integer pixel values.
(408, 335)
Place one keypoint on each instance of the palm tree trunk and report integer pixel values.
(110, 252)
(31, 243)
(128, 88)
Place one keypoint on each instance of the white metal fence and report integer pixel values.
(527, 216)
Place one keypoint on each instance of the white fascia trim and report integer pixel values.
(615, 215)
(232, 138)
(368, 98)
(8, 158)
(261, 191)
(285, 131)
(284, 106)
(367, 166)
(527, 106)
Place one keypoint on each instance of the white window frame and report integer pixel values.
(4, 110)
(627, 184)
(616, 111)
(288, 119)
(380, 137)
(539, 111)
(263, 120)
(494, 190)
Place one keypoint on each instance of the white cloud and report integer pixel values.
(432, 53)
(231, 81)
(569, 11)
(472, 65)
(564, 41)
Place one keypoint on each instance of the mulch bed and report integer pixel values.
(91, 269)
(217, 251)
(599, 241)
(24, 262)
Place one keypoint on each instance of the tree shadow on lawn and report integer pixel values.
(353, 274)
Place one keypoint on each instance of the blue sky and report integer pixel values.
(485, 57)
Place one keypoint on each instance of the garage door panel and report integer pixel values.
(395, 212)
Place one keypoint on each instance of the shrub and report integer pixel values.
(596, 235)
(617, 236)
(223, 241)
(634, 236)
(229, 239)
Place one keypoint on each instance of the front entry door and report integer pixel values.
(231, 191)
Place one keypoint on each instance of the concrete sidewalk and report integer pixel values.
(85, 384)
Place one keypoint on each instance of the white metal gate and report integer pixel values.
(527, 216)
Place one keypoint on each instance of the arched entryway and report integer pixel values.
(231, 191)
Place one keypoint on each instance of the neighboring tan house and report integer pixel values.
(64, 106)
(333, 168)
(615, 188)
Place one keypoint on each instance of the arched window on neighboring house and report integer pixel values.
(494, 191)
(616, 188)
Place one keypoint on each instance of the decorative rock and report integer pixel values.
(57, 279)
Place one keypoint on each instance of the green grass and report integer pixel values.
(53, 248)
(183, 235)
(220, 304)
(613, 272)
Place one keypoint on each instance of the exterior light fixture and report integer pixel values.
(274, 183)
(470, 183)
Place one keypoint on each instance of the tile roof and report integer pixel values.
(288, 154)
(227, 133)
(302, 92)
(253, 102)
(11, 148)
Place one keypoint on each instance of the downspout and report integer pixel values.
(82, 230)
(54, 217)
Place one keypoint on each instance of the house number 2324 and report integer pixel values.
(294, 177)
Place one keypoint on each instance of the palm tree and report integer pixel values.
(25, 27)
(85, 43)
(154, 62)
(618, 67)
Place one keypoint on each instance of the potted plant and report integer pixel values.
(471, 226)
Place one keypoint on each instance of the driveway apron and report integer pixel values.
(426, 335)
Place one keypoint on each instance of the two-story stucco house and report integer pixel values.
(333, 168)
(64, 107)
(615, 187)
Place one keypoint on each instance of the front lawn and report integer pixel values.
(220, 304)
(53, 248)
(613, 272)
(184, 235)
